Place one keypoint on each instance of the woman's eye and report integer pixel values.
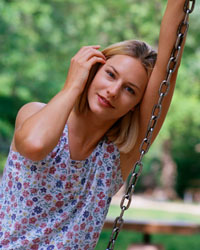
(130, 90)
(110, 74)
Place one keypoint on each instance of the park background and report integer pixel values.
(38, 39)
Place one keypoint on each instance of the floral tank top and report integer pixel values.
(57, 203)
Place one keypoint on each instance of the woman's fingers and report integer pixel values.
(92, 58)
(86, 53)
(81, 64)
(90, 46)
(92, 52)
(88, 56)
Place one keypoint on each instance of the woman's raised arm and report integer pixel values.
(172, 18)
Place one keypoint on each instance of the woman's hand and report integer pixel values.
(81, 65)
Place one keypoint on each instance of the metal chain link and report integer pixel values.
(156, 112)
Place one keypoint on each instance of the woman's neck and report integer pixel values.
(85, 131)
(88, 127)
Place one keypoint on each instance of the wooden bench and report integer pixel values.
(148, 227)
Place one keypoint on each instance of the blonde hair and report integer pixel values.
(125, 131)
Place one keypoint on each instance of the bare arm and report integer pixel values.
(173, 16)
(37, 134)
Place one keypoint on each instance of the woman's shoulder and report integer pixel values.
(28, 110)
(25, 112)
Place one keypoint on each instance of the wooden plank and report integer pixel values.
(150, 227)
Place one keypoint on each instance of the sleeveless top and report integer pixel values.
(57, 203)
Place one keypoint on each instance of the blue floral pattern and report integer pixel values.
(57, 203)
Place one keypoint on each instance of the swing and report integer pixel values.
(156, 112)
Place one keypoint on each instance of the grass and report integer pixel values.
(150, 214)
(170, 242)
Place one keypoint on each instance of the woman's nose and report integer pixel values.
(114, 89)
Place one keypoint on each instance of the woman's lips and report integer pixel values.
(103, 101)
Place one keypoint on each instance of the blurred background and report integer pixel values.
(38, 39)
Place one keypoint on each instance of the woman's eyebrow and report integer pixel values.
(131, 83)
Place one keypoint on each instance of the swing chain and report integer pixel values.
(156, 112)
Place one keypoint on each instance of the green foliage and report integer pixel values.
(170, 242)
(183, 126)
(2, 163)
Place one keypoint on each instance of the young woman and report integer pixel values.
(70, 156)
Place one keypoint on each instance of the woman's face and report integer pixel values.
(117, 87)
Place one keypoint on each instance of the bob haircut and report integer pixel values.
(124, 131)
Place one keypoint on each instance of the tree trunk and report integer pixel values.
(169, 171)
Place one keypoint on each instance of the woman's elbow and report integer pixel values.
(29, 148)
